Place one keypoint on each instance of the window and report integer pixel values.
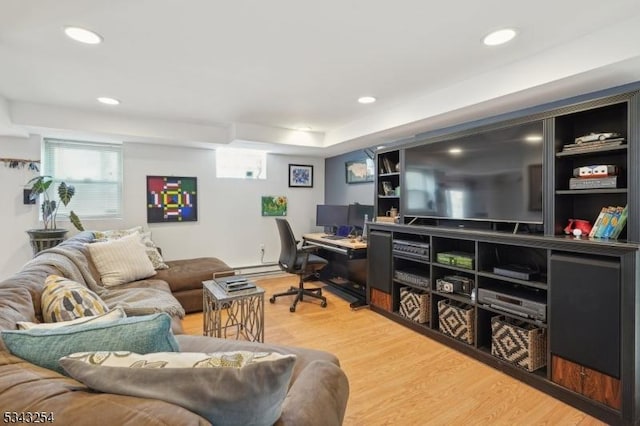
(241, 163)
(95, 169)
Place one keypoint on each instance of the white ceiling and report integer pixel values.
(248, 73)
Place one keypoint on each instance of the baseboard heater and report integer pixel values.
(270, 268)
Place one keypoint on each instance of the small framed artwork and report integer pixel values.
(359, 171)
(300, 176)
(274, 205)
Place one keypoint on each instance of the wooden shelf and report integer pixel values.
(591, 151)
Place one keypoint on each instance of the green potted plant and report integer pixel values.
(50, 235)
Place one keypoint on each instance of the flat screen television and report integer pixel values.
(493, 175)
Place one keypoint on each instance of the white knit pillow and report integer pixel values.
(121, 261)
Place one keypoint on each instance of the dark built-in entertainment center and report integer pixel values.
(478, 257)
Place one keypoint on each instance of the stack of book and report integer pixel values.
(609, 223)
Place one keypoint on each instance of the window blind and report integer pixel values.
(95, 169)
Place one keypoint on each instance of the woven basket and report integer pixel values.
(456, 320)
(414, 305)
(521, 343)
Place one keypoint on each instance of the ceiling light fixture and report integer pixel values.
(83, 35)
(366, 99)
(108, 101)
(455, 151)
(533, 138)
(499, 37)
(304, 128)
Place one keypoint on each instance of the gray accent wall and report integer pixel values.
(336, 189)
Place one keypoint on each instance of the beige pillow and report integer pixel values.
(115, 314)
(63, 299)
(150, 247)
(121, 261)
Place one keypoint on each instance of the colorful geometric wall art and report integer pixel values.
(172, 199)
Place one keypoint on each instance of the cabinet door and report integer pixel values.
(586, 381)
(566, 374)
(379, 269)
(584, 323)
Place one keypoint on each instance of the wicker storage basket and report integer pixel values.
(456, 320)
(521, 343)
(414, 305)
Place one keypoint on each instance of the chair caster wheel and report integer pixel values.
(292, 309)
(323, 304)
(272, 299)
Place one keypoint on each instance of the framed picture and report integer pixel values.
(172, 199)
(300, 176)
(274, 205)
(359, 171)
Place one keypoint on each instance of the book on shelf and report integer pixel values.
(387, 165)
(622, 221)
(610, 222)
(597, 222)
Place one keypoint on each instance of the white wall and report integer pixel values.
(15, 216)
(229, 226)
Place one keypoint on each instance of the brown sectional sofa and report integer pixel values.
(185, 279)
(317, 394)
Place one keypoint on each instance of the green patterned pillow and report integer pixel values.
(232, 388)
(140, 334)
(64, 300)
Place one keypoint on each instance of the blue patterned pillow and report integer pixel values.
(141, 334)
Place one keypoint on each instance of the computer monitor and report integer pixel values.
(356, 214)
(331, 215)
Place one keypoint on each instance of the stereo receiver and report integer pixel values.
(411, 248)
(413, 276)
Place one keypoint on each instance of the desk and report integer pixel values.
(347, 268)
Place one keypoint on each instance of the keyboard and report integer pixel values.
(334, 237)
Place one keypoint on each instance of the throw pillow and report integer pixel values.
(141, 334)
(121, 261)
(151, 249)
(63, 299)
(237, 388)
(115, 314)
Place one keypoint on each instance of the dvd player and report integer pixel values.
(527, 304)
(520, 272)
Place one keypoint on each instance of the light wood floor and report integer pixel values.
(400, 377)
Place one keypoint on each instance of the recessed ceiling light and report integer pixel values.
(109, 101)
(455, 151)
(366, 99)
(304, 128)
(533, 138)
(499, 37)
(82, 35)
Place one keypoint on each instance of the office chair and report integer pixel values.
(299, 261)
